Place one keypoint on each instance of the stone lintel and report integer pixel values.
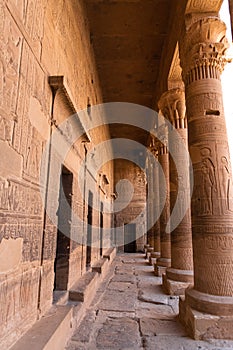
(58, 82)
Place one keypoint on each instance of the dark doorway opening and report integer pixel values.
(89, 230)
(61, 263)
(130, 238)
(101, 227)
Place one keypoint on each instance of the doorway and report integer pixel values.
(61, 263)
(89, 230)
(130, 238)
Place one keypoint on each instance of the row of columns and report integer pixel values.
(196, 257)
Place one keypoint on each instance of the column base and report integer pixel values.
(178, 275)
(153, 258)
(146, 247)
(161, 265)
(208, 303)
(204, 326)
(148, 253)
(159, 270)
(172, 287)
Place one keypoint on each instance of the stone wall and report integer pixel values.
(39, 39)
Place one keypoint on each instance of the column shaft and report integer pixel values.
(202, 53)
(164, 192)
(180, 275)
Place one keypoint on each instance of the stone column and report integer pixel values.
(180, 275)
(150, 249)
(202, 53)
(156, 206)
(165, 240)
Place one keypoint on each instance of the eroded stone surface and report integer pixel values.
(121, 286)
(119, 333)
(118, 301)
(150, 326)
(154, 311)
(119, 319)
(178, 343)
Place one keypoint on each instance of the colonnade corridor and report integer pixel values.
(131, 311)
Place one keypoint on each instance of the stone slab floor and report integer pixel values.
(130, 311)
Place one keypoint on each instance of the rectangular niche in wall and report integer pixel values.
(130, 238)
(61, 264)
(89, 230)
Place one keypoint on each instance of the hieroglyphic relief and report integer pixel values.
(202, 53)
(200, 104)
(26, 140)
(34, 19)
(28, 229)
(216, 262)
(32, 241)
(50, 240)
(19, 198)
(10, 51)
(213, 183)
(21, 208)
(19, 8)
(33, 155)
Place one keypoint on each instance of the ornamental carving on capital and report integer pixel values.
(204, 44)
(154, 147)
(172, 106)
(203, 6)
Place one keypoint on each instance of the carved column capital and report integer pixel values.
(153, 147)
(172, 106)
(203, 49)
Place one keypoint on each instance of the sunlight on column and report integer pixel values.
(227, 79)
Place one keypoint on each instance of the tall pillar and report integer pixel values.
(155, 205)
(165, 240)
(207, 310)
(149, 247)
(156, 208)
(149, 207)
(151, 204)
(180, 275)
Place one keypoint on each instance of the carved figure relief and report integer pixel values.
(10, 48)
(225, 183)
(208, 181)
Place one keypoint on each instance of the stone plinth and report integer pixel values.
(153, 258)
(201, 326)
(148, 252)
(176, 287)
(161, 266)
(159, 270)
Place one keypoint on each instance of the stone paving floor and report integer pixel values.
(130, 311)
